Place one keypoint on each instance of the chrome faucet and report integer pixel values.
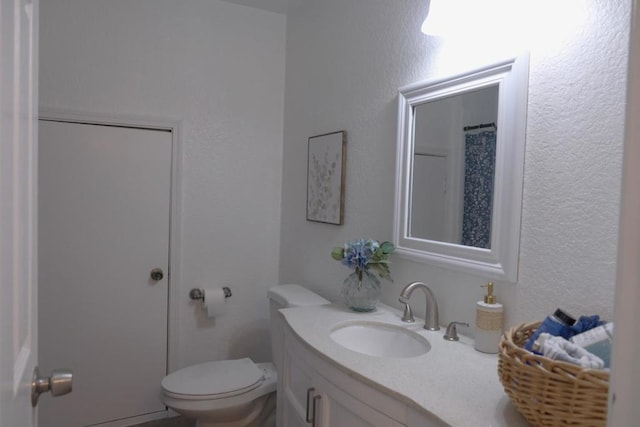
(452, 331)
(431, 318)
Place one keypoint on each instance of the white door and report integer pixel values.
(429, 197)
(104, 212)
(18, 272)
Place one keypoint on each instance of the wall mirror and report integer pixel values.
(459, 173)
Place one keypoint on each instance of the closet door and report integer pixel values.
(104, 211)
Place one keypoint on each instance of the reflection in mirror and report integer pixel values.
(454, 167)
(460, 170)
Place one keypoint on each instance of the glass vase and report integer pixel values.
(361, 291)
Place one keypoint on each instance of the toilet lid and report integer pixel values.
(212, 378)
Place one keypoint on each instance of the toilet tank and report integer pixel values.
(285, 296)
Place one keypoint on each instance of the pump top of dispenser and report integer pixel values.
(489, 298)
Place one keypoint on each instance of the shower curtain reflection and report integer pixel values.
(479, 172)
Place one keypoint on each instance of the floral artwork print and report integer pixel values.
(325, 179)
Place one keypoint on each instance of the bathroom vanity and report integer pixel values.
(324, 383)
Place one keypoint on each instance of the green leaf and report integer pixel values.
(383, 270)
(387, 247)
(337, 253)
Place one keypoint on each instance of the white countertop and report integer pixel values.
(452, 381)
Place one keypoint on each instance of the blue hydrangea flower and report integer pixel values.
(358, 253)
(365, 254)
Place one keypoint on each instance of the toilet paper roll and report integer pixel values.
(214, 301)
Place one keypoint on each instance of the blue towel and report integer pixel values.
(585, 323)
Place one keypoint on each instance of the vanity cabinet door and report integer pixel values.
(340, 401)
(333, 406)
(294, 384)
(339, 409)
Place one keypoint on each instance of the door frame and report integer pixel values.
(624, 387)
(174, 126)
(18, 209)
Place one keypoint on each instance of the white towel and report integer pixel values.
(558, 348)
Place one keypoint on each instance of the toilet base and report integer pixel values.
(261, 416)
(255, 408)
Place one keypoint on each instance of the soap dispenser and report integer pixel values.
(489, 318)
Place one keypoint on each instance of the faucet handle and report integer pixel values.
(407, 316)
(452, 332)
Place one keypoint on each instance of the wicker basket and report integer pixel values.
(547, 392)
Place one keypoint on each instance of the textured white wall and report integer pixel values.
(345, 61)
(220, 68)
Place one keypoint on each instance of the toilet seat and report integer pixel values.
(213, 380)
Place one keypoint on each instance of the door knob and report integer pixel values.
(157, 274)
(59, 383)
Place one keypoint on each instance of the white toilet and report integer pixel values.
(236, 393)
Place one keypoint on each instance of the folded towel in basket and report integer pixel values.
(558, 348)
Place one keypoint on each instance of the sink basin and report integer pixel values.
(380, 339)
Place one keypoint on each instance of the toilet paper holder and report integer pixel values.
(198, 294)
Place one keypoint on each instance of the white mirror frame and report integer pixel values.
(500, 262)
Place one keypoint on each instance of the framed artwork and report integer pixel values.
(326, 177)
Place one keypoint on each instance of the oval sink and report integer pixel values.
(380, 339)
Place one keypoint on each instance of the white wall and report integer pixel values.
(345, 61)
(220, 69)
